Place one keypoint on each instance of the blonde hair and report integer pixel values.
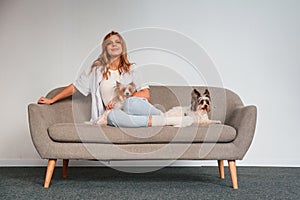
(104, 58)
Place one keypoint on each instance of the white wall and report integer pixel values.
(255, 47)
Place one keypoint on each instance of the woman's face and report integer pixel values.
(114, 46)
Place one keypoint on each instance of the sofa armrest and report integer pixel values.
(243, 119)
(41, 117)
(39, 121)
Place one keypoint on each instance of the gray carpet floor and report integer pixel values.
(167, 183)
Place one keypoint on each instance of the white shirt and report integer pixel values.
(107, 86)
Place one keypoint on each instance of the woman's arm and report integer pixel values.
(144, 93)
(66, 92)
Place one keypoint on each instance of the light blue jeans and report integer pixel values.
(135, 113)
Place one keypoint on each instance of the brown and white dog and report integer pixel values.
(199, 109)
(122, 92)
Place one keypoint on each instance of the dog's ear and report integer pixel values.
(118, 84)
(194, 101)
(132, 84)
(206, 93)
(196, 94)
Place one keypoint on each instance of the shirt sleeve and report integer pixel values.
(82, 83)
(138, 80)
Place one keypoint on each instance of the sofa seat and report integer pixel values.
(78, 133)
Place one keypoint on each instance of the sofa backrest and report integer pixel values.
(223, 101)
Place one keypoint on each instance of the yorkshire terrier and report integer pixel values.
(122, 92)
(199, 109)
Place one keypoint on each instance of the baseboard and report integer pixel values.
(142, 163)
(85, 163)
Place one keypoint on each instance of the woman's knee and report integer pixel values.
(129, 104)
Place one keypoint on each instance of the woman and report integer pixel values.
(112, 65)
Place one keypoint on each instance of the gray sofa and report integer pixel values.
(58, 131)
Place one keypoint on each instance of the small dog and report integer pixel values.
(199, 109)
(122, 92)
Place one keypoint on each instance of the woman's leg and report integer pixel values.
(140, 106)
(119, 118)
(138, 111)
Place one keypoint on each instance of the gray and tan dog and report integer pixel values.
(199, 109)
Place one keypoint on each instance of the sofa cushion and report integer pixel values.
(76, 133)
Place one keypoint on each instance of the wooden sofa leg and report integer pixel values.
(221, 168)
(233, 174)
(50, 169)
(65, 168)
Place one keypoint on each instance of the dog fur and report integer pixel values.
(199, 109)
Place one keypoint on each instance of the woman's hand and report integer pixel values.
(44, 100)
(111, 104)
